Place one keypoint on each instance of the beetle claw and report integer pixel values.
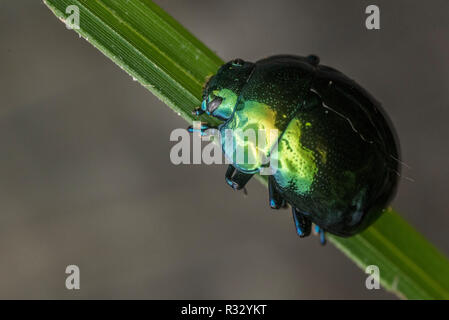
(320, 232)
(197, 112)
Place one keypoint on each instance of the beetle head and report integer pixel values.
(222, 90)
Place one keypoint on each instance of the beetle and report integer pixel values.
(337, 153)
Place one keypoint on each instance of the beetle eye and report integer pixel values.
(214, 104)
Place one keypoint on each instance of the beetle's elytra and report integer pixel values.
(337, 154)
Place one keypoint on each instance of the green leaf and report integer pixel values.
(169, 61)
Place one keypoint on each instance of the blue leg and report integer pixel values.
(321, 233)
(302, 223)
(238, 180)
(202, 129)
(275, 198)
(198, 111)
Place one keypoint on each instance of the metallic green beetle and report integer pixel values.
(337, 156)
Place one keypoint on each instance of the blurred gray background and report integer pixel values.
(85, 176)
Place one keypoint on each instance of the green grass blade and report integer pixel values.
(409, 265)
(169, 61)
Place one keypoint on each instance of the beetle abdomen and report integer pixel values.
(337, 158)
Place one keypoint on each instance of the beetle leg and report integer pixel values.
(238, 180)
(202, 129)
(321, 233)
(198, 111)
(302, 223)
(275, 198)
